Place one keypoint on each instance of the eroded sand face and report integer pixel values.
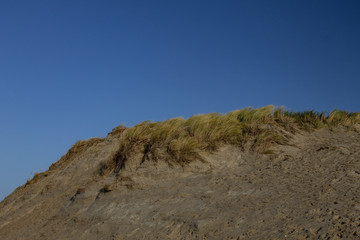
(309, 189)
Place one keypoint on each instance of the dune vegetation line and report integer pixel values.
(181, 140)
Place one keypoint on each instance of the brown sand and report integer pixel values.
(308, 189)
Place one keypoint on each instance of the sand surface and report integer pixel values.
(307, 189)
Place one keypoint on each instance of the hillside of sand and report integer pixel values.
(306, 188)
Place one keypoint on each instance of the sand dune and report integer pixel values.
(308, 188)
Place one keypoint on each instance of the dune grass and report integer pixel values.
(182, 140)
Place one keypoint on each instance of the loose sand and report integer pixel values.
(308, 189)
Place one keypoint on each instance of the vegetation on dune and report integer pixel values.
(312, 119)
(182, 140)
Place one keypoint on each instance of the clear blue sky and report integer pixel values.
(72, 70)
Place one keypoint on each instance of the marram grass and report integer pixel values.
(181, 140)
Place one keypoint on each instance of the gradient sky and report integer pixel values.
(72, 70)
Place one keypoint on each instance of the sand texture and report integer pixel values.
(308, 189)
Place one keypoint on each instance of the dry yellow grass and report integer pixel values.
(183, 139)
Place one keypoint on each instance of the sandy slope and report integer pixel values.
(309, 189)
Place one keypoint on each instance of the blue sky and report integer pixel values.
(72, 70)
